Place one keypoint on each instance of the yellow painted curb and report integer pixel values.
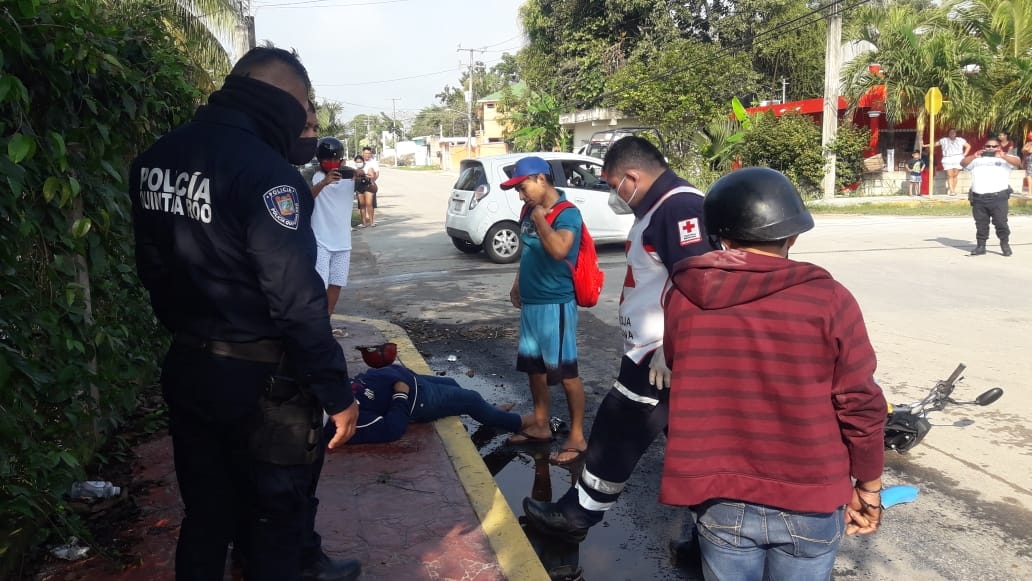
(516, 557)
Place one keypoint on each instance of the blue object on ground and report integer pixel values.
(898, 494)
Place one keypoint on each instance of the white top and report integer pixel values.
(952, 147)
(641, 304)
(372, 164)
(331, 219)
(989, 175)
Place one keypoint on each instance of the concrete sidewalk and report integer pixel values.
(422, 508)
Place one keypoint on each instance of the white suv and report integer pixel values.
(481, 215)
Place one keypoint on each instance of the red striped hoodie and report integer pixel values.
(773, 399)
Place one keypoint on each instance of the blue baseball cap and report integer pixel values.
(526, 167)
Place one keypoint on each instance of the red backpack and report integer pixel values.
(587, 276)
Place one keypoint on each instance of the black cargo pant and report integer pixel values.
(228, 494)
(990, 207)
(629, 419)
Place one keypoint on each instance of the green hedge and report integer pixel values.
(82, 90)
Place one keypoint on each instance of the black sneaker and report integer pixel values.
(326, 569)
(548, 519)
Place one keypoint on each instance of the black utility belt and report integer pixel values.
(261, 351)
(992, 194)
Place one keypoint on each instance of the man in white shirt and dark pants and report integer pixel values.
(990, 190)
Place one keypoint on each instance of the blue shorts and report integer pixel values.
(548, 341)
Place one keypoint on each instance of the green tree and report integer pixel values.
(196, 37)
(437, 120)
(680, 91)
(535, 124)
(575, 46)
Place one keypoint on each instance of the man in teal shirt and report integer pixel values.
(543, 291)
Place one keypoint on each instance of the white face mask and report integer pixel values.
(617, 204)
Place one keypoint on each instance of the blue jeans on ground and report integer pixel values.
(440, 397)
(752, 542)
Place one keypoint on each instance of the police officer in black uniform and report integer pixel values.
(225, 248)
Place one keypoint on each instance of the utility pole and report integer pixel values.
(832, 76)
(469, 104)
(784, 89)
(243, 33)
(394, 129)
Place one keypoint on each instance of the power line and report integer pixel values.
(451, 70)
(310, 4)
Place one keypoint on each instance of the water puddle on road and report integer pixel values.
(630, 544)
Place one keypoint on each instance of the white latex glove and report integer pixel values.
(659, 373)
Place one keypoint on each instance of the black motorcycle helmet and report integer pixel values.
(329, 148)
(754, 204)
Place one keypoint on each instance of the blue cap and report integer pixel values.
(526, 167)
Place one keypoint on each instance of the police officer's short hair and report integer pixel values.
(633, 151)
(262, 56)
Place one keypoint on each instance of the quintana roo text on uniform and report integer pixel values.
(187, 194)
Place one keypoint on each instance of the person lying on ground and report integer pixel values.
(393, 396)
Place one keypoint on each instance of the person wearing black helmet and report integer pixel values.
(775, 418)
(333, 188)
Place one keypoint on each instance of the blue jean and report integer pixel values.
(752, 542)
(440, 397)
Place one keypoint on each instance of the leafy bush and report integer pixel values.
(81, 92)
(849, 147)
(790, 144)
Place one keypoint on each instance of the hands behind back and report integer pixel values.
(864, 511)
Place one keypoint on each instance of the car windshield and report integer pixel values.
(472, 176)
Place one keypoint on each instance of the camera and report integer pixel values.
(989, 152)
(346, 173)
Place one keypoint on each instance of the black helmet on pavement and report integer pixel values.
(754, 204)
(329, 148)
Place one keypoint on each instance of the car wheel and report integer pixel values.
(465, 245)
(502, 243)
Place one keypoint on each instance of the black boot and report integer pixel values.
(979, 248)
(1005, 248)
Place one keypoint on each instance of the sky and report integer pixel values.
(365, 53)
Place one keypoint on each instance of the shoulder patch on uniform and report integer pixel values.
(688, 231)
(282, 203)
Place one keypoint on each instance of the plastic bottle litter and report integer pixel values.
(91, 489)
(71, 551)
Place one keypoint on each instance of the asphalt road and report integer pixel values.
(928, 306)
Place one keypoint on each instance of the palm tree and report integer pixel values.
(914, 51)
(196, 26)
(1006, 27)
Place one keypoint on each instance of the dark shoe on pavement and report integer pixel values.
(979, 250)
(548, 519)
(686, 554)
(326, 569)
(1006, 249)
